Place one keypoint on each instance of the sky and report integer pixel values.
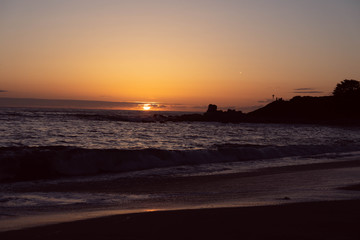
(177, 54)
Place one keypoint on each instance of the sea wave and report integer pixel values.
(29, 163)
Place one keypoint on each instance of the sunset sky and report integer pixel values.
(177, 53)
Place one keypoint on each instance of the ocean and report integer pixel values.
(66, 164)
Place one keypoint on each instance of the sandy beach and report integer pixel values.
(317, 220)
(307, 202)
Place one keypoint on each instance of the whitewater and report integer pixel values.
(53, 159)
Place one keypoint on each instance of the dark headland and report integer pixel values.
(342, 107)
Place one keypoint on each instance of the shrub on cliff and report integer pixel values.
(347, 88)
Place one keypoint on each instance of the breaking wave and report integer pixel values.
(29, 163)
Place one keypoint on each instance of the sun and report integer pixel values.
(146, 107)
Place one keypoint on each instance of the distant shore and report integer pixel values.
(298, 110)
(316, 220)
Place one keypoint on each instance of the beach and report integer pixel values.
(285, 212)
(316, 220)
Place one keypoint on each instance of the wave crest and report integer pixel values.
(29, 163)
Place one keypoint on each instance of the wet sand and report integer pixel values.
(316, 220)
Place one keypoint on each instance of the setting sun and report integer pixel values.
(146, 107)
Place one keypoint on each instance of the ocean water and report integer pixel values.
(42, 149)
(54, 143)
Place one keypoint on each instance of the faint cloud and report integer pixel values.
(151, 105)
(303, 89)
(159, 106)
(306, 90)
(2, 91)
(200, 107)
(266, 100)
(154, 105)
(187, 108)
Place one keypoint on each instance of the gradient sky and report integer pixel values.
(226, 52)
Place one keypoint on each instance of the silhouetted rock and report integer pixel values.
(214, 115)
(212, 108)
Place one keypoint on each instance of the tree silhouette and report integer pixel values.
(347, 88)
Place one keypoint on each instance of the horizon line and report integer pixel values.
(92, 104)
(21, 102)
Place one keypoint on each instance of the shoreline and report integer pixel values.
(311, 220)
(331, 181)
(133, 184)
(269, 190)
